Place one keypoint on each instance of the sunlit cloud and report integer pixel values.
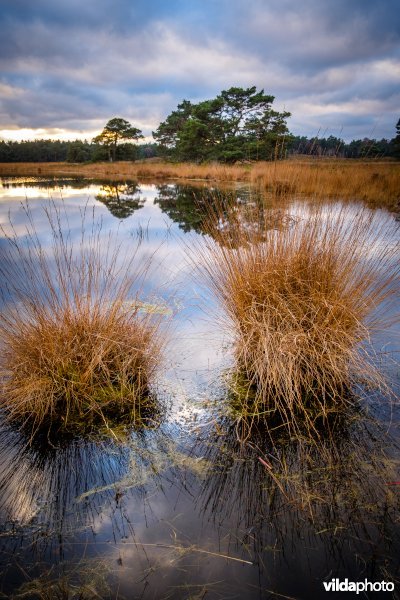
(18, 135)
(64, 74)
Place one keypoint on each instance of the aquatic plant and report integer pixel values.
(302, 295)
(85, 579)
(335, 494)
(76, 342)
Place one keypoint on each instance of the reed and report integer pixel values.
(76, 345)
(301, 297)
(375, 182)
(124, 170)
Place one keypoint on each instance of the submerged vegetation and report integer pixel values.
(76, 343)
(302, 295)
(285, 493)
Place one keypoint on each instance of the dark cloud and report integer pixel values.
(312, 33)
(73, 64)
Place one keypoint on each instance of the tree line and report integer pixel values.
(75, 151)
(238, 125)
(334, 146)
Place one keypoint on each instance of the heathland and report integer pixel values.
(376, 182)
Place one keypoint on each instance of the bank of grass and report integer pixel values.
(301, 297)
(373, 181)
(125, 170)
(76, 346)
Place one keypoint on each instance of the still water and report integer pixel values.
(181, 509)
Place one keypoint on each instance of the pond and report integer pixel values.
(181, 507)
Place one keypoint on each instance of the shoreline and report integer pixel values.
(375, 182)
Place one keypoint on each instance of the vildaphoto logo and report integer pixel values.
(335, 585)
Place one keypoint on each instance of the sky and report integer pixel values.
(68, 66)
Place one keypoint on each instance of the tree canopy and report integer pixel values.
(238, 124)
(116, 130)
(226, 129)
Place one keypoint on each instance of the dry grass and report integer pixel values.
(124, 170)
(375, 182)
(301, 299)
(75, 344)
(86, 580)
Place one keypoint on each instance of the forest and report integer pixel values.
(238, 125)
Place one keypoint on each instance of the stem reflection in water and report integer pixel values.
(322, 507)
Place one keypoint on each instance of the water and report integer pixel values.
(182, 509)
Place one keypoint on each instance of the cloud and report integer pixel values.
(72, 66)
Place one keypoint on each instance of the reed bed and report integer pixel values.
(124, 170)
(301, 297)
(373, 181)
(76, 345)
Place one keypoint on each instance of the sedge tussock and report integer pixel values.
(301, 301)
(76, 344)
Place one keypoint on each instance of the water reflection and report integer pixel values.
(66, 502)
(218, 213)
(191, 207)
(122, 200)
(314, 511)
(180, 509)
(184, 205)
(42, 478)
(48, 183)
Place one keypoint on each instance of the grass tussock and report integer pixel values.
(375, 182)
(76, 344)
(301, 300)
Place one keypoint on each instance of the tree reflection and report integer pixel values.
(218, 213)
(121, 199)
(50, 183)
(186, 205)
